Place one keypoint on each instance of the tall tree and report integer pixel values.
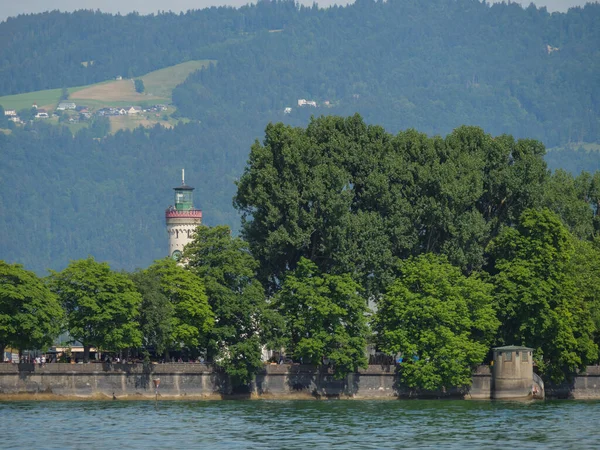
(101, 305)
(30, 315)
(191, 318)
(570, 199)
(243, 321)
(584, 267)
(539, 303)
(351, 197)
(439, 320)
(156, 313)
(139, 85)
(325, 318)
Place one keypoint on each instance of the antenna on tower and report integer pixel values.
(183, 177)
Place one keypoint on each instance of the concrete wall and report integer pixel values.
(585, 386)
(88, 380)
(202, 381)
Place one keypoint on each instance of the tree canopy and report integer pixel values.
(540, 302)
(351, 197)
(30, 314)
(177, 299)
(446, 236)
(441, 322)
(243, 321)
(325, 318)
(101, 305)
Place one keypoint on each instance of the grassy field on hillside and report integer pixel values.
(158, 87)
(47, 99)
(161, 83)
(108, 93)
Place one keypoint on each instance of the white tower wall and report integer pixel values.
(181, 232)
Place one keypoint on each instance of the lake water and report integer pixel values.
(339, 424)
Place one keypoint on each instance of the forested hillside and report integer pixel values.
(432, 65)
(65, 197)
(55, 50)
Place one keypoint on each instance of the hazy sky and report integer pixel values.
(14, 7)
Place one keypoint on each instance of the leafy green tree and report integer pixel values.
(439, 320)
(539, 302)
(243, 320)
(584, 267)
(101, 305)
(588, 187)
(30, 315)
(139, 85)
(569, 198)
(156, 313)
(292, 195)
(27, 114)
(351, 197)
(99, 127)
(325, 317)
(192, 317)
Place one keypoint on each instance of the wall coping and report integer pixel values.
(196, 368)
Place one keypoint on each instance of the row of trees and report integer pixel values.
(458, 244)
(543, 292)
(462, 242)
(214, 306)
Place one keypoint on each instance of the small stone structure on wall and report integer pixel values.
(512, 373)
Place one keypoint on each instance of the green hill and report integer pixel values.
(402, 64)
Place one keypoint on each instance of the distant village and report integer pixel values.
(82, 113)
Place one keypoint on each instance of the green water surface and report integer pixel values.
(300, 424)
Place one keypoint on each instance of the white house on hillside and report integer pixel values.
(66, 105)
(304, 102)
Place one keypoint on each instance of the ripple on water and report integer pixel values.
(300, 424)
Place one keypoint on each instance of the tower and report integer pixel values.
(182, 219)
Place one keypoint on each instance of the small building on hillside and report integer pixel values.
(41, 114)
(304, 102)
(134, 110)
(10, 112)
(66, 105)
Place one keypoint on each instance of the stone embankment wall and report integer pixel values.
(194, 381)
(585, 386)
